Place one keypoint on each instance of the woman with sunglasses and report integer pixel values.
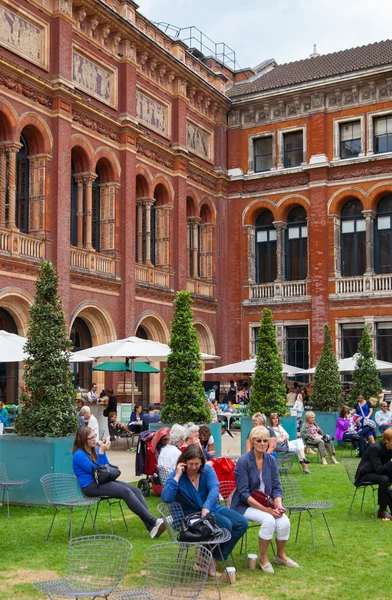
(195, 486)
(258, 470)
(86, 453)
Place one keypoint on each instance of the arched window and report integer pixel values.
(8, 371)
(353, 239)
(96, 214)
(383, 236)
(265, 248)
(81, 339)
(74, 207)
(22, 187)
(297, 245)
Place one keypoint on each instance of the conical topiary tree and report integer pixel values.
(47, 397)
(183, 388)
(327, 394)
(365, 375)
(268, 391)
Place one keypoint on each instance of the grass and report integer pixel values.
(358, 566)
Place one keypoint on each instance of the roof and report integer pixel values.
(319, 67)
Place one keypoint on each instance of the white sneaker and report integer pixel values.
(324, 461)
(158, 529)
(333, 459)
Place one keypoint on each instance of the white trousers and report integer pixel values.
(269, 524)
(296, 445)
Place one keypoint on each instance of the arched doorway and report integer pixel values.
(81, 339)
(142, 380)
(8, 371)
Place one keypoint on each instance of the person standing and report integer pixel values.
(3, 414)
(92, 395)
(364, 409)
(90, 420)
(376, 467)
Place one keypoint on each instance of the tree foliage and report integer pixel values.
(269, 393)
(47, 398)
(327, 394)
(183, 388)
(365, 375)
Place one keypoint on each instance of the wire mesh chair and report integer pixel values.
(173, 516)
(8, 485)
(111, 502)
(351, 466)
(96, 566)
(164, 473)
(172, 571)
(285, 461)
(63, 492)
(295, 503)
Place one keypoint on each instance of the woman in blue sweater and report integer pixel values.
(87, 452)
(195, 486)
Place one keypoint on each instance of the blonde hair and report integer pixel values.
(308, 415)
(259, 416)
(258, 432)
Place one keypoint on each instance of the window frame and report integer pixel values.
(251, 151)
(336, 128)
(370, 131)
(269, 251)
(355, 219)
(281, 134)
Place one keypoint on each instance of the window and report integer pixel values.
(265, 248)
(293, 149)
(351, 336)
(384, 350)
(297, 346)
(74, 208)
(22, 187)
(353, 239)
(382, 141)
(297, 245)
(350, 139)
(263, 154)
(383, 236)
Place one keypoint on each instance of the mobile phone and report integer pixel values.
(107, 441)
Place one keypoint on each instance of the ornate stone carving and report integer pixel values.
(234, 118)
(80, 15)
(359, 171)
(276, 184)
(208, 183)
(26, 90)
(162, 71)
(153, 155)
(94, 79)
(198, 141)
(27, 36)
(100, 128)
(66, 7)
(152, 112)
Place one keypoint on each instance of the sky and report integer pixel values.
(281, 29)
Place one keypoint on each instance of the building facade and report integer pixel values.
(140, 168)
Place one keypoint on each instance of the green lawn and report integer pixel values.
(358, 566)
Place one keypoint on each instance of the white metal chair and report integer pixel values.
(8, 485)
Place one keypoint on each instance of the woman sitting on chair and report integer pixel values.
(87, 452)
(195, 486)
(312, 435)
(283, 443)
(258, 470)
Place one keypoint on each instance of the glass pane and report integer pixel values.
(262, 236)
(383, 223)
(351, 336)
(389, 125)
(380, 126)
(360, 253)
(272, 235)
(348, 264)
(352, 208)
(361, 225)
(348, 226)
(293, 233)
(263, 145)
(295, 261)
(304, 231)
(297, 346)
(384, 247)
(263, 163)
(385, 205)
(349, 131)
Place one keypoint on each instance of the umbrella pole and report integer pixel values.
(133, 384)
(125, 373)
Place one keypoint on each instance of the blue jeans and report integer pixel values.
(357, 443)
(235, 523)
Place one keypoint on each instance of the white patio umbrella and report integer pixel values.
(348, 365)
(249, 366)
(11, 349)
(137, 350)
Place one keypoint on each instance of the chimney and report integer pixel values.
(314, 53)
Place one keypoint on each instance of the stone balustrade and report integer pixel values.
(281, 291)
(152, 276)
(20, 244)
(200, 287)
(374, 285)
(93, 262)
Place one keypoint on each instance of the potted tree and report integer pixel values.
(47, 420)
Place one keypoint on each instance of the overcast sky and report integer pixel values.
(282, 29)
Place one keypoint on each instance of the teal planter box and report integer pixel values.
(31, 458)
(327, 422)
(215, 430)
(290, 425)
(246, 426)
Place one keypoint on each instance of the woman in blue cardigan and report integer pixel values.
(258, 470)
(87, 452)
(195, 486)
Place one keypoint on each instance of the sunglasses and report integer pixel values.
(262, 441)
(92, 437)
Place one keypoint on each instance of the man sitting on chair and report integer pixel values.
(376, 467)
(150, 417)
(90, 420)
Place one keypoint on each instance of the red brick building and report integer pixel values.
(139, 168)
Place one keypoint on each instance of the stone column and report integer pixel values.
(12, 151)
(139, 231)
(280, 227)
(369, 215)
(337, 246)
(38, 165)
(79, 211)
(195, 246)
(251, 254)
(3, 184)
(148, 204)
(88, 183)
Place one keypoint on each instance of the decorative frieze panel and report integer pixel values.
(199, 141)
(28, 91)
(95, 79)
(154, 114)
(85, 120)
(25, 35)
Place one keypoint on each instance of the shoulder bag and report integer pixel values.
(195, 528)
(105, 473)
(366, 421)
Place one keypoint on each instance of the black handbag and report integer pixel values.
(105, 473)
(195, 528)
